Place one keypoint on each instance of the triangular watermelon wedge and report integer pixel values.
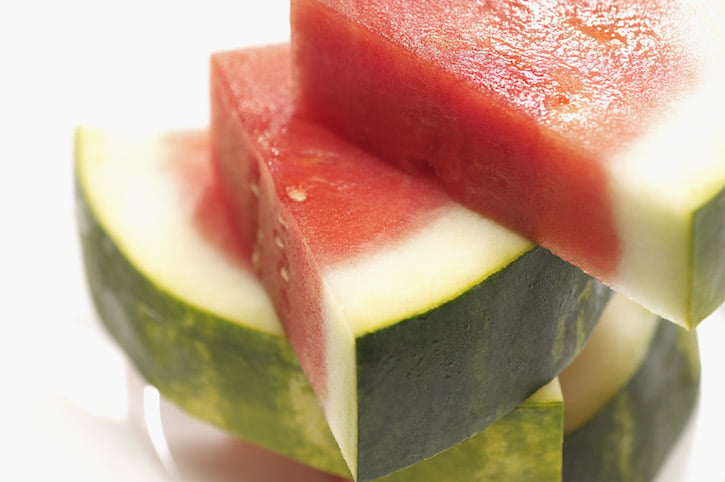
(594, 129)
(417, 321)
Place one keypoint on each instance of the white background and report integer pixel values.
(64, 409)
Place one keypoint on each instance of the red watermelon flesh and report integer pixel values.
(410, 314)
(338, 200)
(188, 159)
(529, 112)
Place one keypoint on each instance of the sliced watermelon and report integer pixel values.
(417, 321)
(628, 396)
(594, 130)
(192, 317)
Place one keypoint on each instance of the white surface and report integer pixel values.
(70, 408)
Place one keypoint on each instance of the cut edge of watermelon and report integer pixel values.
(145, 156)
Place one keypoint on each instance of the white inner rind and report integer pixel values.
(457, 250)
(611, 357)
(659, 182)
(396, 283)
(127, 179)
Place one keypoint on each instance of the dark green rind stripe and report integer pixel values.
(457, 370)
(708, 258)
(630, 438)
(523, 446)
(193, 357)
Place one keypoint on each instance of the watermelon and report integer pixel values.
(170, 286)
(622, 423)
(417, 321)
(188, 311)
(595, 130)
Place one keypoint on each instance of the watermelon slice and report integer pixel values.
(190, 315)
(595, 130)
(172, 287)
(628, 396)
(417, 321)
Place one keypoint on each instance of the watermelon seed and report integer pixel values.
(282, 222)
(278, 241)
(296, 193)
(284, 274)
(255, 189)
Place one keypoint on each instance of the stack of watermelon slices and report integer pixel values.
(419, 323)
(154, 222)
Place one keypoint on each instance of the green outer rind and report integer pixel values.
(461, 360)
(523, 446)
(630, 438)
(708, 258)
(244, 381)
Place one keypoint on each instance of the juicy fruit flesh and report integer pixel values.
(344, 201)
(571, 118)
(344, 204)
(582, 69)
